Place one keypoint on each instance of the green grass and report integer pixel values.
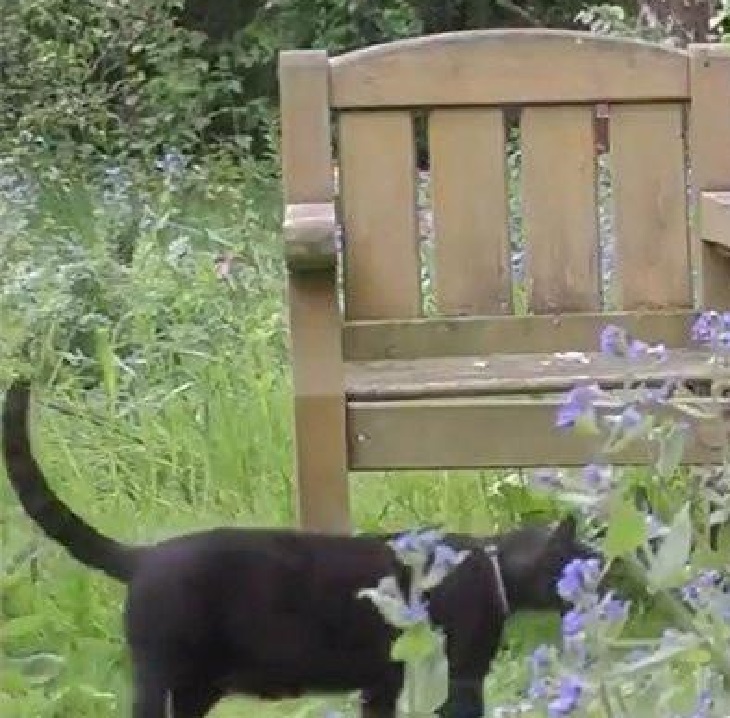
(184, 427)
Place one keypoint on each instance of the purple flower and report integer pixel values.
(580, 577)
(614, 610)
(704, 705)
(598, 478)
(414, 612)
(637, 349)
(570, 690)
(613, 340)
(539, 689)
(445, 557)
(416, 546)
(705, 590)
(444, 560)
(578, 404)
(712, 328)
(702, 327)
(540, 659)
(574, 622)
(708, 579)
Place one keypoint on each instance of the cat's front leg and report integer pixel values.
(465, 699)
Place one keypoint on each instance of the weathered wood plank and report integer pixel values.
(319, 396)
(560, 209)
(469, 336)
(480, 433)
(710, 159)
(378, 198)
(650, 200)
(505, 67)
(471, 213)
(496, 374)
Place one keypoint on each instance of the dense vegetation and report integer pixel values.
(141, 278)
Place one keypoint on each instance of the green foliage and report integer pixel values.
(105, 76)
(122, 79)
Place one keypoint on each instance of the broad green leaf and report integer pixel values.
(431, 680)
(414, 644)
(627, 529)
(667, 567)
(671, 449)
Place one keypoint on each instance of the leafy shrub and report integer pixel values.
(111, 77)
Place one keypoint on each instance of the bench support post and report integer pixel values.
(709, 161)
(315, 321)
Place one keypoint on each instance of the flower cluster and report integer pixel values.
(420, 646)
(712, 329)
(615, 342)
(709, 593)
(561, 682)
(593, 671)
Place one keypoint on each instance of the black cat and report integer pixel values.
(275, 613)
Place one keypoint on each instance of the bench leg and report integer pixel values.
(321, 472)
(319, 402)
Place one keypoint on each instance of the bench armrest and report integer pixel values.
(715, 219)
(310, 232)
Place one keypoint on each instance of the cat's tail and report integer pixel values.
(56, 519)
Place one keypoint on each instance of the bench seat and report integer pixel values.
(500, 374)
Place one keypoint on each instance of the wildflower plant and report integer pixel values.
(596, 670)
(420, 645)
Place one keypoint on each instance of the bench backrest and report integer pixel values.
(465, 81)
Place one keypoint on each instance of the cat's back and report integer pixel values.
(249, 581)
(263, 560)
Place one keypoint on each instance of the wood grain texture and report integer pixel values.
(650, 206)
(471, 213)
(378, 196)
(507, 67)
(560, 209)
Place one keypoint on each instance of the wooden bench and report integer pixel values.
(381, 385)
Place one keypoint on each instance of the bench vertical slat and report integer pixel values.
(710, 158)
(378, 198)
(315, 322)
(650, 204)
(560, 208)
(471, 212)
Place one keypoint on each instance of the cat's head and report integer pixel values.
(532, 559)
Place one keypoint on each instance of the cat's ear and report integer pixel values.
(565, 531)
